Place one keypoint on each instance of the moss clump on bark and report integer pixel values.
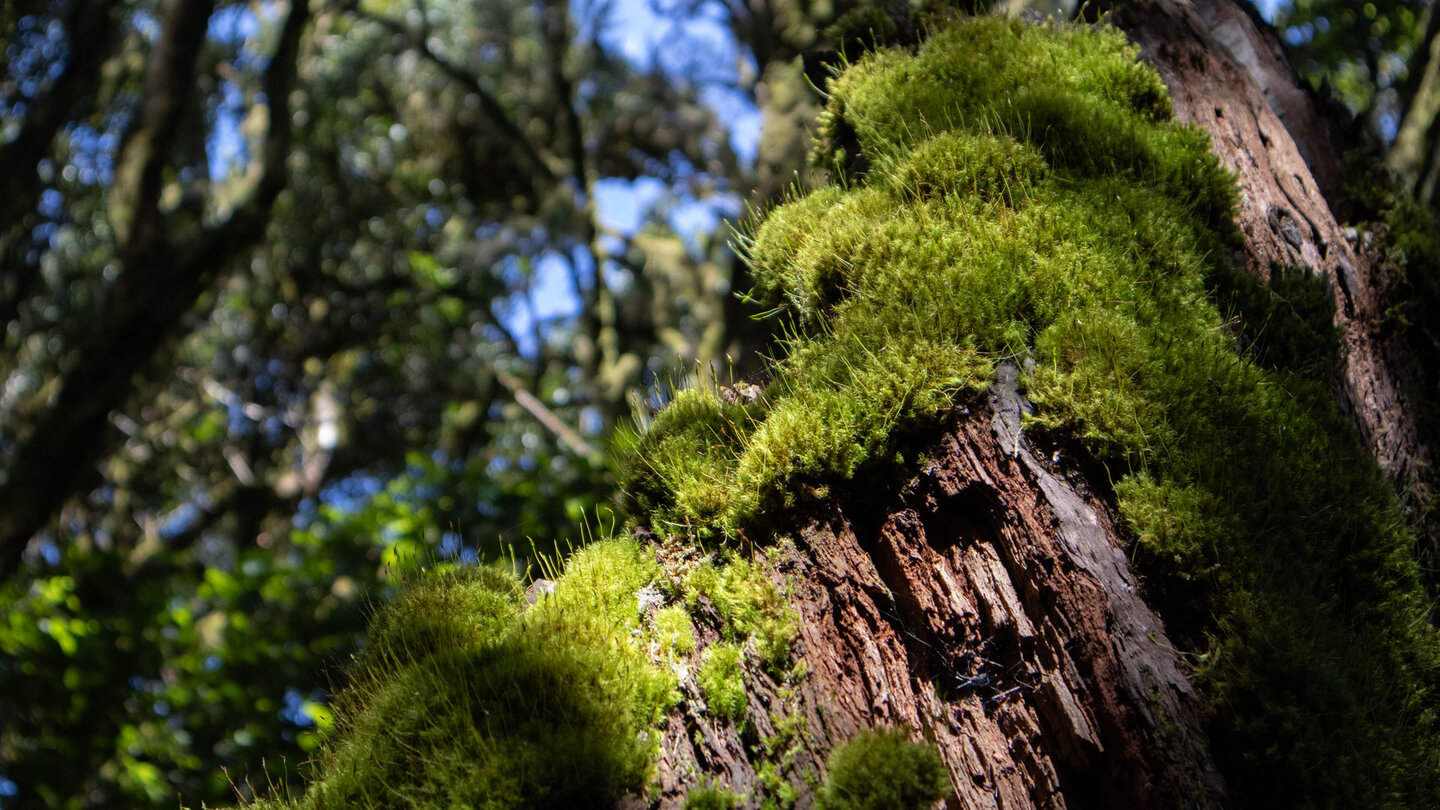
(708, 797)
(883, 770)
(1021, 192)
(722, 682)
(466, 695)
(461, 699)
(752, 610)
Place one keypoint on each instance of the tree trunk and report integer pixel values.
(987, 602)
(1228, 74)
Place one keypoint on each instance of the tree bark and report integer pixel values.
(987, 603)
(1228, 74)
(1413, 155)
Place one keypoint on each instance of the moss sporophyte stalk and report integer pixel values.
(1004, 191)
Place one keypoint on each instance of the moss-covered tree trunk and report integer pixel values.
(1032, 413)
(987, 602)
(1227, 73)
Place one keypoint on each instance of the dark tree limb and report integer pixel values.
(162, 276)
(149, 141)
(490, 106)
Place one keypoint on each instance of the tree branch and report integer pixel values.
(490, 107)
(146, 148)
(1413, 155)
(597, 315)
(247, 223)
(160, 281)
(567, 435)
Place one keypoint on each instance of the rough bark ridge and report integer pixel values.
(987, 602)
(1228, 74)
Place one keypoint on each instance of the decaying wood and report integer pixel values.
(988, 605)
(1228, 74)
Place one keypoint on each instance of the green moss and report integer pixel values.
(460, 699)
(1286, 324)
(752, 608)
(722, 681)
(883, 770)
(456, 609)
(674, 631)
(708, 797)
(679, 464)
(1007, 192)
(956, 163)
(1014, 192)
(778, 752)
(862, 29)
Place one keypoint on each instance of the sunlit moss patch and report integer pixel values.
(460, 699)
(883, 770)
(750, 607)
(1022, 193)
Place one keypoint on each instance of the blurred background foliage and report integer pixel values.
(295, 293)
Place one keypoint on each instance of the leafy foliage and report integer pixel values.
(1364, 51)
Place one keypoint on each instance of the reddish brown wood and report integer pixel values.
(987, 604)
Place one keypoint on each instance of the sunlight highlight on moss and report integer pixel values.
(461, 699)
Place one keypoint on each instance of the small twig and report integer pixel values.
(567, 435)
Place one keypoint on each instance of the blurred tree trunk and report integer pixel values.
(988, 602)
(166, 260)
(1415, 155)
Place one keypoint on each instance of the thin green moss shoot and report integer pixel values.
(1022, 193)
